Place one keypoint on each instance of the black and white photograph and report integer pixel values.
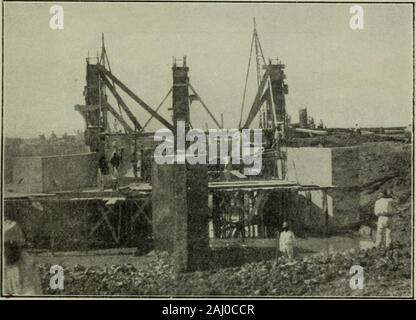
(207, 150)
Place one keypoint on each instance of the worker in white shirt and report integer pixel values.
(383, 209)
(287, 241)
(21, 274)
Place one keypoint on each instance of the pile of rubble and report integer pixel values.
(386, 272)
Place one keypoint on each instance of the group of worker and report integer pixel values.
(104, 170)
(384, 209)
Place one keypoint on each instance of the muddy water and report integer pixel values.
(106, 258)
(308, 245)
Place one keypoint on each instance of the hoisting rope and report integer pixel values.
(103, 60)
(259, 55)
(255, 42)
(157, 109)
(204, 105)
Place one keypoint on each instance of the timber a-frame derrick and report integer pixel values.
(100, 77)
(270, 92)
(104, 73)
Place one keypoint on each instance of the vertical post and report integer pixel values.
(279, 89)
(119, 221)
(216, 214)
(180, 107)
(131, 219)
(325, 210)
(296, 202)
(96, 119)
(180, 93)
(180, 193)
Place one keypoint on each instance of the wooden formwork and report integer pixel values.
(259, 212)
(81, 223)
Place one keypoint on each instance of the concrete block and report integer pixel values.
(198, 217)
(339, 167)
(27, 175)
(69, 172)
(54, 173)
(346, 168)
(180, 213)
(8, 170)
(163, 220)
(310, 166)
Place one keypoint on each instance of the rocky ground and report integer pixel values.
(386, 273)
(387, 166)
(342, 140)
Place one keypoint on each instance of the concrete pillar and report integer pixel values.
(279, 89)
(180, 93)
(325, 210)
(163, 221)
(180, 195)
(180, 213)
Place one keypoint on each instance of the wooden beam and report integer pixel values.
(118, 117)
(121, 102)
(265, 96)
(85, 108)
(135, 97)
(157, 109)
(325, 210)
(312, 131)
(205, 106)
(255, 108)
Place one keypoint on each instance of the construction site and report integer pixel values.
(151, 229)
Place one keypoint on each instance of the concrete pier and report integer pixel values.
(180, 194)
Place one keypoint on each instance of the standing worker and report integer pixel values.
(287, 241)
(115, 162)
(383, 209)
(408, 133)
(254, 225)
(21, 274)
(103, 171)
(134, 165)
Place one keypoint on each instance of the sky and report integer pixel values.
(342, 76)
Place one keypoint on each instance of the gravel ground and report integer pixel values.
(386, 273)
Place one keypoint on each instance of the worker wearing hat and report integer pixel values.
(383, 209)
(21, 275)
(287, 241)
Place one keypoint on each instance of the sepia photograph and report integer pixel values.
(207, 150)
